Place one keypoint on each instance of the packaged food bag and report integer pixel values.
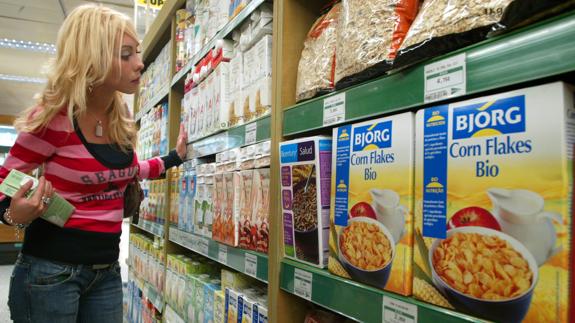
(443, 26)
(369, 35)
(316, 69)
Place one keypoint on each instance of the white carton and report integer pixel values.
(221, 93)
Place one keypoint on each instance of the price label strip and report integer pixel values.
(251, 265)
(396, 311)
(334, 109)
(204, 246)
(251, 133)
(223, 254)
(303, 283)
(445, 79)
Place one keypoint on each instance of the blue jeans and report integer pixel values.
(46, 291)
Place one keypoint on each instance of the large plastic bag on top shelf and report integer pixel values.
(523, 12)
(315, 73)
(369, 34)
(442, 26)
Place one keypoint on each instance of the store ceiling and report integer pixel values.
(34, 21)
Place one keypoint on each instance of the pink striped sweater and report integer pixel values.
(95, 189)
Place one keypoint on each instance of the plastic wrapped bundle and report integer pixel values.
(369, 35)
(446, 25)
(523, 12)
(315, 74)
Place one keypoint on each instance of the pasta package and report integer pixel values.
(369, 34)
(442, 26)
(316, 69)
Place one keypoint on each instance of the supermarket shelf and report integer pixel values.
(151, 227)
(358, 301)
(159, 27)
(535, 52)
(149, 291)
(223, 33)
(159, 97)
(232, 138)
(251, 263)
(171, 316)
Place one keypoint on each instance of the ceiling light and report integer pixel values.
(28, 45)
(22, 79)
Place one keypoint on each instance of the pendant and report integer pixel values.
(99, 129)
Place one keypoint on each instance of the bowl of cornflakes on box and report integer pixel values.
(484, 271)
(366, 250)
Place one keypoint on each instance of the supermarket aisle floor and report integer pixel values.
(5, 272)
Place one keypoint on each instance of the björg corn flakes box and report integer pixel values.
(371, 237)
(305, 183)
(493, 214)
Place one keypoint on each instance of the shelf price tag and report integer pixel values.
(194, 243)
(204, 246)
(302, 283)
(396, 311)
(334, 109)
(251, 133)
(251, 265)
(445, 79)
(223, 254)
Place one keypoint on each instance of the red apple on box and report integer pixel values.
(362, 209)
(473, 216)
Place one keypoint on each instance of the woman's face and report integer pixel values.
(130, 65)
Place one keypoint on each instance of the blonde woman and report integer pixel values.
(82, 133)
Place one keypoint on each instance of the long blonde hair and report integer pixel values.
(85, 51)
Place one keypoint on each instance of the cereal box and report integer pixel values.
(219, 207)
(306, 177)
(233, 305)
(493, 214)
(261, 209)
(209, 291)
(246, 208)
(219, 306)
(261, 312)
(231, 208)
(372, 202)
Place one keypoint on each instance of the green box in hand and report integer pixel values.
(59, 209)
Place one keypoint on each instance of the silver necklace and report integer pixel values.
(99, 128)
(99, 132)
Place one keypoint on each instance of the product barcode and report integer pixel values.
(436, 95)
(333, 120)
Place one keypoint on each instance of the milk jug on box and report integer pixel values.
(493, 216)
(305, 183)
(372, 202)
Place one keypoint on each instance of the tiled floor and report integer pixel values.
(5, 272)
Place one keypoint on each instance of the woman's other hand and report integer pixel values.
(182, 143)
